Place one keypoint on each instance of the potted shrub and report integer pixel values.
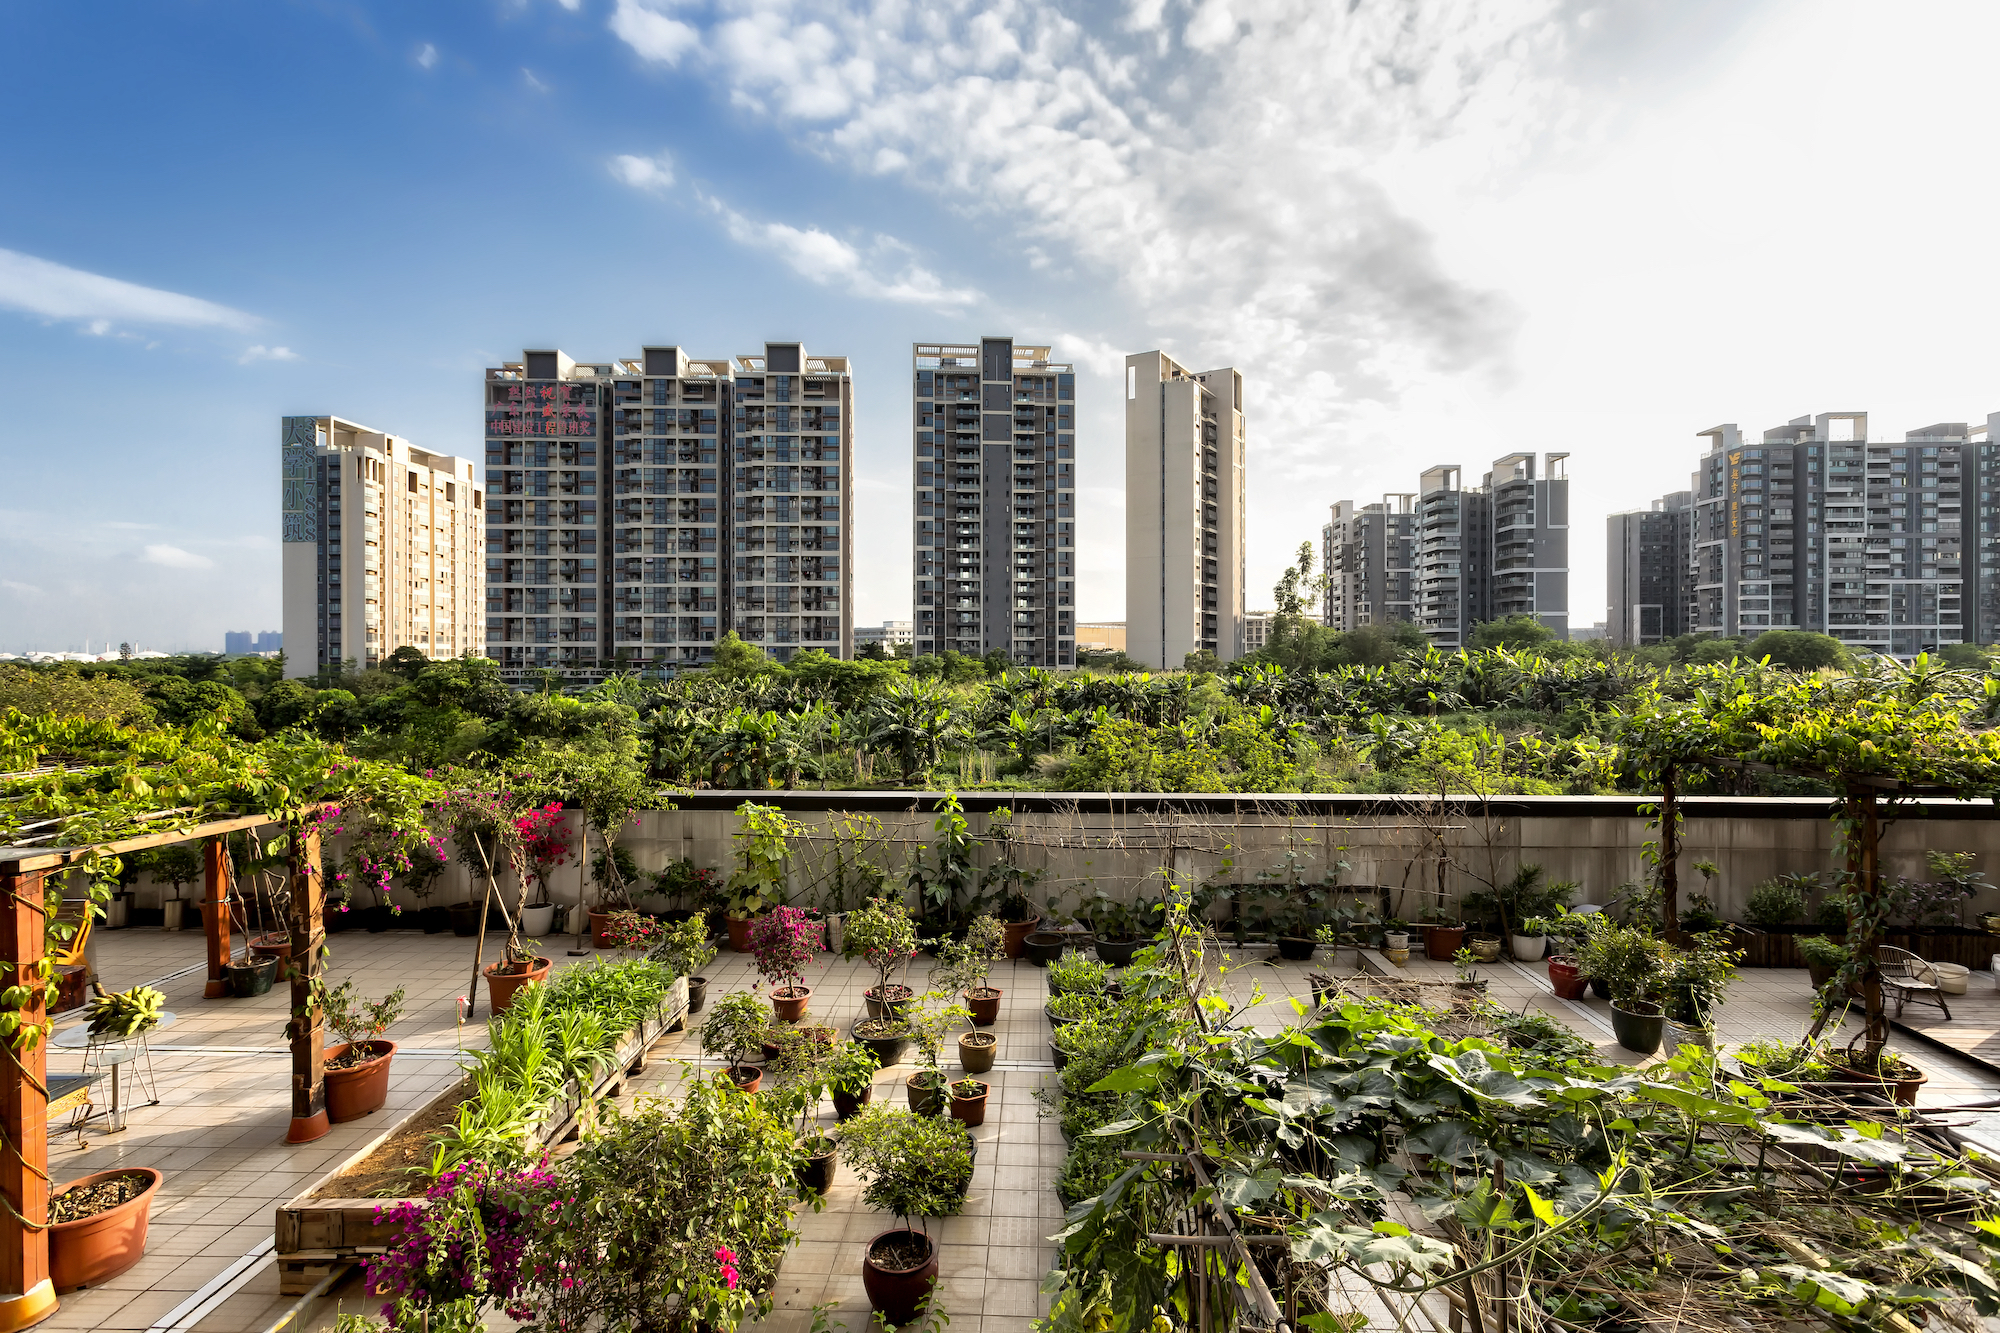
(1292, 924)
(733, 1032)
(797, 1067)
(1696, 981)
(612, 874)
(1073, 1007)
(929, 1022)
(686, 948)
(1443, 937)
(1823, 958)
(1017, 921)
(785, 941)
(97, 1226)
(1078, 974)
(915, 1167)
(546, 846)
(519, 968)
(1531, 940)
(1778, 902)
(883, 935)
(1888, 1070)
(968, 1102)
(964, 964)
(1633, 965)
(850, 1076)
(1395, 933)
(357, 1070)
(1485, 948)
(763, 843)
(1115, 924)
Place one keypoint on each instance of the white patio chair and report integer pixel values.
(1910, 977)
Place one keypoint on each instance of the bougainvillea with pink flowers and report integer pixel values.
(466, 1243)
(784, 942)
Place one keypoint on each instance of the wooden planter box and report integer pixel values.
(1967, 946)
(314, 1234)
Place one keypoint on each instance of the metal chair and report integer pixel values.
(1910, 977)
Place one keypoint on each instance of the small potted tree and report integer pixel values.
(546, 846)
(916, 1167)
(850, 1076)
(1634, 967)
(686, 948)
(885, 937)
(1823, 958)
(357, 1070)
(929, 1023)
(733, 1032)
(1696, 981)
(964, 965)
(968, 1102)
(763, 844)
(785, 941)
(1018, 920)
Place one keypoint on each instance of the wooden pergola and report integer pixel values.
(26, 1294)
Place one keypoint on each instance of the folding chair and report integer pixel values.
(1910, 977)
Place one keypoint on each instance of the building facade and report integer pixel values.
(1495, 550)
(994, 466)
(639, 509)
(1885, 546)
(891, 634)
(1256, 630)
(1185, 472)
(1647, 581)
(382, 545)
(1368, 555)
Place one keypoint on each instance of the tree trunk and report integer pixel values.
(1670, 853)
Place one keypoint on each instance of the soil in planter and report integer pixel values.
(358, 1054)
(386, 1172)
(900, 1253)
(879, 1028)
(90, 1200)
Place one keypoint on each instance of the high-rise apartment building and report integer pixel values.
(641, 508)
(1648, 576)
(1497, 550)
(1184, 511)
(381, 546)
(1816, 527)
(1368, 554)
(994, 462)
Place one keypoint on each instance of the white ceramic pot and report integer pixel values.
(1952, 977)
(1396, 939)
(1529, 948)
(1687, 1036)
(538, 921)
(172, 911)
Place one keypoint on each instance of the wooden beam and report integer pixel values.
(26, 1295)
(215, 876)
(56, 858)
(308, 925)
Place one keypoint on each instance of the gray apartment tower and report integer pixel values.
(639, 509)
(994, 462)
(1369, 556)
(1450, 557)
(1185, 477)
(1816, 527)
(1648, 577)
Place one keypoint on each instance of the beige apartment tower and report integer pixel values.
(1184, 511)
(382, 547)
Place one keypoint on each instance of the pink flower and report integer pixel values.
(726, 1259)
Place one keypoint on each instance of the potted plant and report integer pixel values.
(916, 1167)
(1443, 936)
(97, 1226)
(427, 863)
(613, 870)
(1901, 1078)
(1486, 948)
(252, 976)
(1633, 965)
(123, 1015)
(929, 1022)
(1531, 939)
(686, 948)
(632, 932)
(785, 941)
(964, 964)
(1823, 958)
(883, 935)
(1072, 1007)
(521, 967)
(968, 1102)
(1395, 933)
(763, 843)
(1114, 924)
(1697, 978)
(734, 1030)
(798, 1069)
(1077, 973)
(1780, 901)
(357, 1070)
(850, 1076)
(546, 844)
(1017, 921)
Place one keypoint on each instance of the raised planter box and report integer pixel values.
(315, 1233)
(1968, 946)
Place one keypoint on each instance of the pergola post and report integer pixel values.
(1864, 867)
(308, 929)
(1670, 851)
(26, 1295)
(215, 876)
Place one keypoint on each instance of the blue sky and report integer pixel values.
(1427, 232)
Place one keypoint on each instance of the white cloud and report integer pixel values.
(20, 589)
(427, 55)
(886, 270)
(641, 26)
(173, 557)
(263, 353)
(56, 291)
(532, 81)
(644, 173)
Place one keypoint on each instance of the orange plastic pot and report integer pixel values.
(93, 1250)
(789, 1004)
(501, 984)
(359, 1089)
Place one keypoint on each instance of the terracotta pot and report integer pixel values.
(747, 1078)
(1441, 942)
(1012, 933)
(976, 1057)
(1902, 1091)
(501, 984)
(815, 1173)
(362, 1089)
(92, 1250)
(897, 1292)
(739, 933)
(970, 1111)
(599, 923)
(846, 1107)
(925, 1098)
(697, 994)
(790, 1005)
(278, 946)
(897, 1007)
(985, 1008)
(1566, 980)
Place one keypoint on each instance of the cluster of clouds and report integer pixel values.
(103, 306)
